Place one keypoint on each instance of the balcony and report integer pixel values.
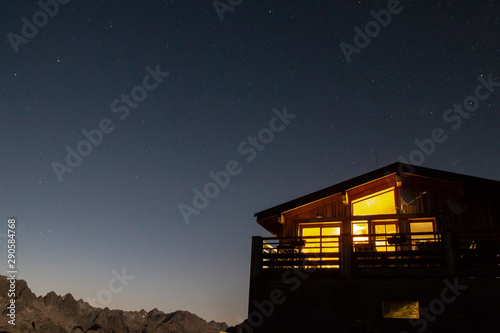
(380, 255)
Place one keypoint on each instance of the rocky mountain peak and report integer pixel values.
(55, 313)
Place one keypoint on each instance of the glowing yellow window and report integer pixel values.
(327, 242)
(381, 241)
(360, 228)
(330, 245)
(400, 309)
(377, 203)
(313, 245)
(425, 226)
(422, 226)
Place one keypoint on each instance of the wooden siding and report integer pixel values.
(371, 187)
(332, 209)
(452, 205)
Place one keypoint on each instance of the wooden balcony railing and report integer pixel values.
(294, 252)
(409, 254)
(398, 250)
(478, 252)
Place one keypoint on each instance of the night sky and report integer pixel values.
(266, 101)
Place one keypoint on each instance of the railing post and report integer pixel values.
(256, 260)
(345, 255)
(450, 252)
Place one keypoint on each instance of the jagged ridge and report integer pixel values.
(53, 313)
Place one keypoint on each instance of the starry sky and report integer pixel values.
(175, 92)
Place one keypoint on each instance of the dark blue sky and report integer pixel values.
(119, 207)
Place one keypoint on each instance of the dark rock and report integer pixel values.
(61, 314)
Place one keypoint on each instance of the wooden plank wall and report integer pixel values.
(455, 207)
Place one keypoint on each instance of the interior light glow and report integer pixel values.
(400, 309)
(378, 203)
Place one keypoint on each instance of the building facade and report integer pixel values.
(399, 249)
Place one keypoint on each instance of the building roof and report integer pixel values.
(400, 169)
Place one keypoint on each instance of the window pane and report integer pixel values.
(390, 228)
(311, 232)
(381, 241)
(378, 203)
(328, 244)
(331, 231)
(360, 228)
(400, 309)
(421, 227)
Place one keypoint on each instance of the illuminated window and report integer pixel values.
(312, 245)
(378, 203)
(400, 309)
(384, 227)
(327, 242)
(426, 238)
(360, 228)
(424, 226)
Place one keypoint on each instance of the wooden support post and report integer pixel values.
(256, 259)
(450, 252)
(345, 255)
